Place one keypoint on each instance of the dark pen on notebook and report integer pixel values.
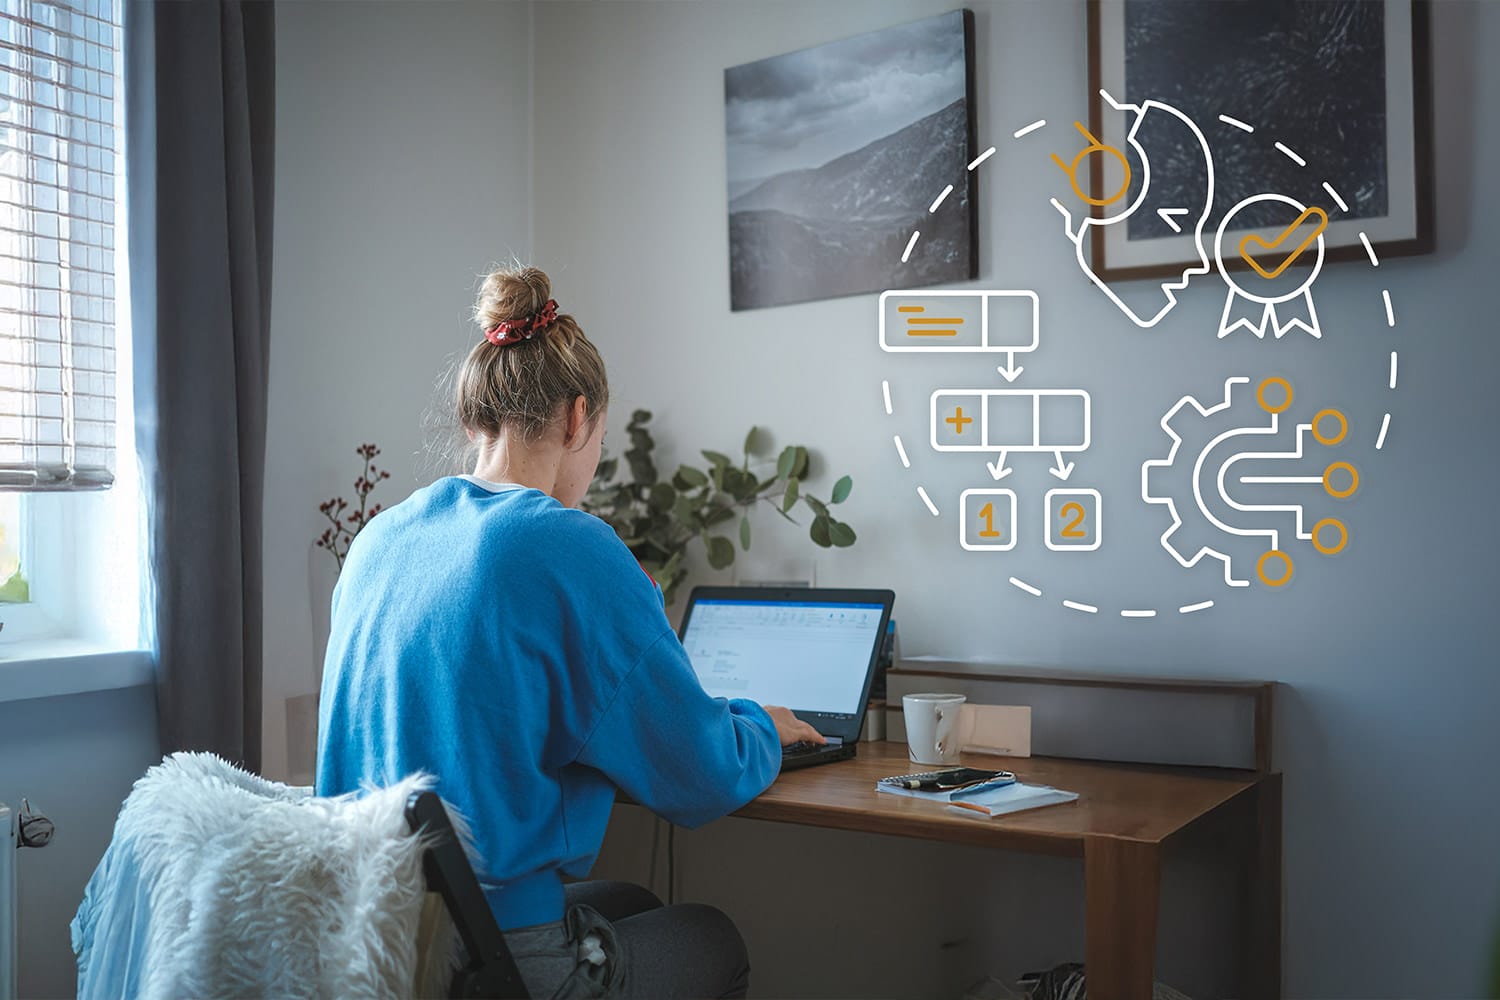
(984, 786)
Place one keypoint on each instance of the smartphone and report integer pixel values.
(953, 777)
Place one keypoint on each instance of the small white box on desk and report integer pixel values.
(998, 729)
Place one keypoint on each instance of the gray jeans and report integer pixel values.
(618, 940)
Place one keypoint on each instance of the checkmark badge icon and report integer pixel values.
(1287, 237)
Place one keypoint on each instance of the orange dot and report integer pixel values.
(1330, 522)
(1336, 438)
(1260, 568)
(1260, 394)
(1328, 480)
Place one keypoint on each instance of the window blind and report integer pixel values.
(59, 83)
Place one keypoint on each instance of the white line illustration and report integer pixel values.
(1385, 425)
(906, 254)
(1187, 561)
(982, 157)
(1343, 206)
(885, 390)
(1188, 609)
(1060, 470)
(1299, 315)
(1069, 520)
(1007, 429)
(1029, 128)
(1033, 591)
(1010, 371)
(1273, 534)
(1144, 613)
(961, 321)
(1296, 453)
(901, 450)
(1079, 235)
(1393, 369)
(1169, 216)
(1076, 606)
(998, 469)
(1291, 155)
(1236, 123)
(922, 492)
(1314, 480)
(1374, 261)
(939, 200)
(1390, 314)
(1004, 538)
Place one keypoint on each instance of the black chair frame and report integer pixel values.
(491, 969)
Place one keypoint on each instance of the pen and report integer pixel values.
(983, 786)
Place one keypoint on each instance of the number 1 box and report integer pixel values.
(987, 520)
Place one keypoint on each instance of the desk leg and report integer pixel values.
(1122, 885)
(1263, 895)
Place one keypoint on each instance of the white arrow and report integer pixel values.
(1061, 471)
(1166, 216)
(997, 468)
(1009, 369)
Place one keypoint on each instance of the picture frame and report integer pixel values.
(835, 159)
(1209, 60)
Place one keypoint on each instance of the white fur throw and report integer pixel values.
(261, 889)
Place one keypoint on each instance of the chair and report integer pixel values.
(218, 882)
(491, 969)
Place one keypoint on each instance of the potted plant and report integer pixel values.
(660, 519)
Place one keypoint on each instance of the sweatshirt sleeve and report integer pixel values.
(686, 756)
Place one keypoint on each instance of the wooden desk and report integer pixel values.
(1123, 817)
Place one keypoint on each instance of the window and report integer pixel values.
(69, 554)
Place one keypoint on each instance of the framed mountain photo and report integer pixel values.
(838, 154)
(1325, 103)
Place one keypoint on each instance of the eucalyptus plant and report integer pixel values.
(658, 519)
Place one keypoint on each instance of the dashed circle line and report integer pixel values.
(1390, 318)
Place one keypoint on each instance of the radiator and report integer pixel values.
(7, 904)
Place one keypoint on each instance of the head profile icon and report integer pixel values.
(1153, 119)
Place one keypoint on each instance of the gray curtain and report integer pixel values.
(200, 101)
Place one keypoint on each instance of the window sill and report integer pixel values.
(46, 668)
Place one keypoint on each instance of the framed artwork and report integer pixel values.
(1322, 103)
(835, 155)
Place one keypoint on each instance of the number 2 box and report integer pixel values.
(987, 520)
(1072, 520)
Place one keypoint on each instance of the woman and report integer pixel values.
(488, 632)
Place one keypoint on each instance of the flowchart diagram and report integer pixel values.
(1245, 476)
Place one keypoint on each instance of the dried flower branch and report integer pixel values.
(344, 520)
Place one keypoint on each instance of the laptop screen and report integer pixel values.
(809, 656)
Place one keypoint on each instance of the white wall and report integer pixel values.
(402, 171)
(1387, 653)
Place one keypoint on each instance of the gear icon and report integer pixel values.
(1189, 539)
(1207, 441)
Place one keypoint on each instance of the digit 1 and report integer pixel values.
(988, 513)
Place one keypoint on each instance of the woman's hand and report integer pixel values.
(792, 729)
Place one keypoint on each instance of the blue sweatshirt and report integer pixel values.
(514, 648)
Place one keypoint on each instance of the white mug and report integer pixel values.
(932, 727)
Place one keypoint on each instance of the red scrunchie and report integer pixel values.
(511, 331)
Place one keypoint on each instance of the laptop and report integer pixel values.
(812, 650)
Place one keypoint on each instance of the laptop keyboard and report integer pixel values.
(799, 748)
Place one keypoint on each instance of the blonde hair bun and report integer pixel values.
(525, 386)
(511, 293)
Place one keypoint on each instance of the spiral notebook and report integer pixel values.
(994, 802)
